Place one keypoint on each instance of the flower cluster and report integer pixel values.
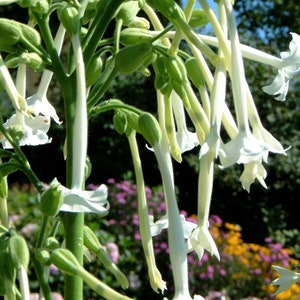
(245, 269)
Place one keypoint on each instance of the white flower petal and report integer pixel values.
(201, 240)
(34, 130)
(86, 201)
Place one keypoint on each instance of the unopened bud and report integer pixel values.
(194, 73)
(128, 11)
(9, 35)
(120, 122)
(43, 256)
(198, 18)
(130, 36)
(93, 70)
(176, 68)
(51, 243)
(169, 8)
(32, 60)
(66, 261)
(51, 200)
(131, 58)
(69, 17)
(39, 6)
(149, 128)
(90, 239)
(18, 251)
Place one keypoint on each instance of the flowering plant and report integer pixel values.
(139, 43)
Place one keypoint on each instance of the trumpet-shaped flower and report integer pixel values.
(291, 65)
(163, 222)
(253, 170)
(286, 279)
(201, 240)
(34, 130)
(186, 140)
(85, 201)
(242, 149)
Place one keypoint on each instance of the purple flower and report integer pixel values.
(113, 250)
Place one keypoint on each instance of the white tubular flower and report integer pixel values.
(38, 103)
(253, 170)
(163, 223)
(286, 279)
(18, 102)
(34, 130)
(242, 149)
(186, 140)
(291, 65)
(85, 201)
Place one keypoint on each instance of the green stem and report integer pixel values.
(42, 278)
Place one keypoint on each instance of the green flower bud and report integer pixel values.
(30, 35)
(93, 70)
(18, 251)
(69, 17)
(176, 69)
(128, 11)
(133, 120)
(93, 244)
(120, 122)
(194, 73)
(51, 243)
(32, 60)
(39, 6)
(90, 239)
(130, 36)
(139, 22)
(149, 128)
(10, 34)
(198, 18)
(66, 261)
(43, 256)
(3, 187)
(51, 200)
(169, 8)
(131, 58)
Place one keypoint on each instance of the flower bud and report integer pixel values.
(32, 60)
(90, 239)
(18, 251)
(194, 73)
(10, 34)
(51, 200)
(51, 243)
(128, 11)
(176, 69)
(120, 122)
(169, 8)
(69, 17)
(66, 261)
(131, 58)
(130, 36)
(43, 256)
(39, 6)
(198, 18)
(29, 35)
(3, 186)
(93, 70)
(149, 128)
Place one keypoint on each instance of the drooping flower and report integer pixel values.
(186, 139)
(201, 240)
(33, 130)
(38, 103)
(291, 65)
(242, 149)
(286, 279)
(253, 170)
